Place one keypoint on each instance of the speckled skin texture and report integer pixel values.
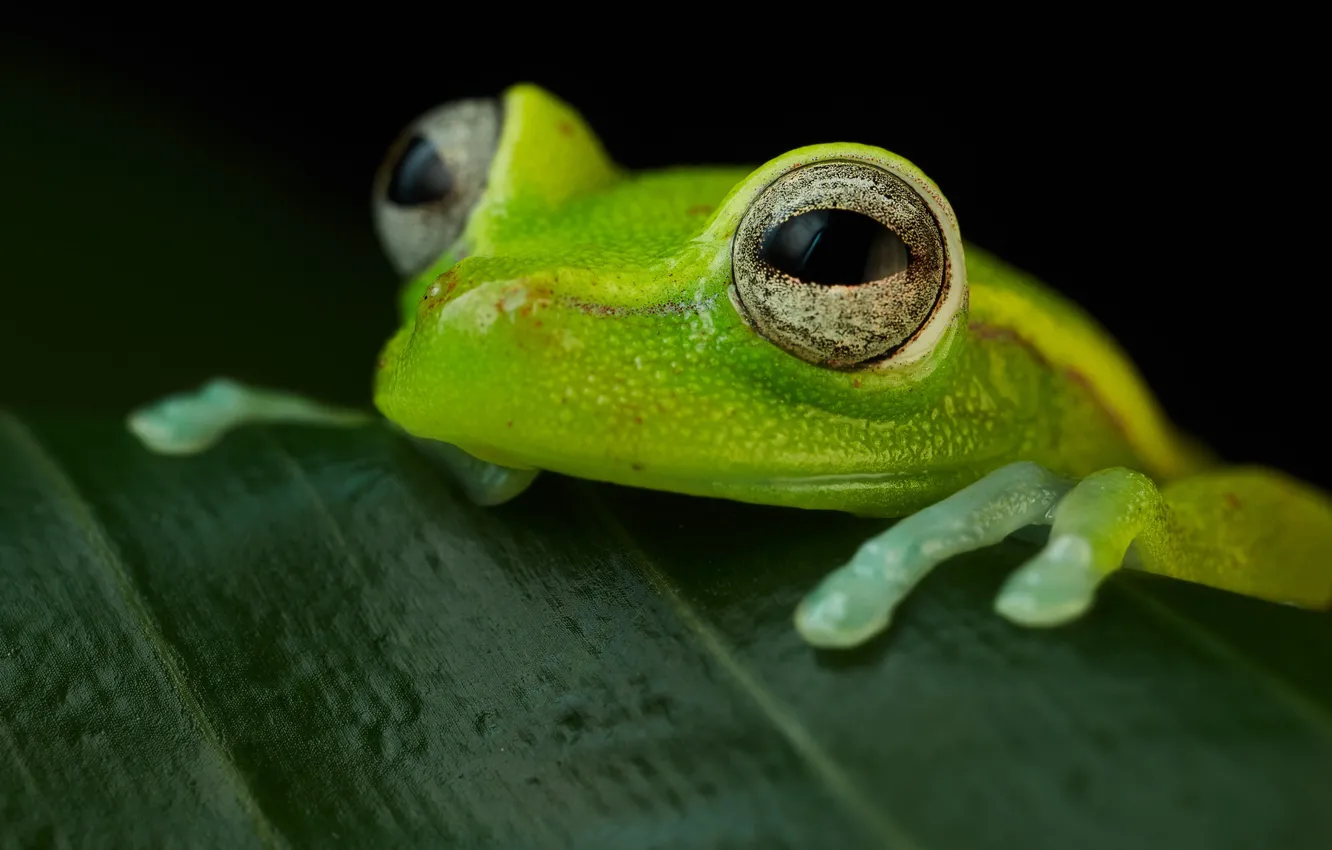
(591, 331)
(586, 323)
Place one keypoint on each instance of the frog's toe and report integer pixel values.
(846, 610)
(188, 422)
(1055, 587)
(1093, 527)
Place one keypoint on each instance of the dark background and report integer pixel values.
(1167, 207)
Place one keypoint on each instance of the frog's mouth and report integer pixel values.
(685, 399)
(868, 494)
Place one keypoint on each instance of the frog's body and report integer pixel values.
(602, 324)
(1010, 391)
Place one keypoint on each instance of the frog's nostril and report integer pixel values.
(441, 290)
(452, 286)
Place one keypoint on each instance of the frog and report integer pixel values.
(811, 333)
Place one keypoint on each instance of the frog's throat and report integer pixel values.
(882, 494)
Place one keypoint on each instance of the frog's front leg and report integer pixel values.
(487, 484)
(1252, 531)
(191, 422)
(856, 601)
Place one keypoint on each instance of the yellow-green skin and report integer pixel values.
(589, 330)
(584, 324)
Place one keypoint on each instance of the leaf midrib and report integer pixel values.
(815, 757)
(818, 761)
(66, 494)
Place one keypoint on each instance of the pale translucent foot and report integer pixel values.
(1093, 527)
(191, 422)
(486, 484)
(1094, 522)
(856, 601)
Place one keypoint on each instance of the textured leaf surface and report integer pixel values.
(307, 636)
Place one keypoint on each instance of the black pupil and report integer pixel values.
(420, 177)
(834, 247)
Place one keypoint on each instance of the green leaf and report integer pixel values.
(307, 637)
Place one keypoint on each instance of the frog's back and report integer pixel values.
(1005, 301)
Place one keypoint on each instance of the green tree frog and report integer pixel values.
(811, 333)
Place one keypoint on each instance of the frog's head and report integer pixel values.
(687, 329)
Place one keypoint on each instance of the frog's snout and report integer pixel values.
(490, 364)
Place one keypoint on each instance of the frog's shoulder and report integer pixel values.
(1007, 302)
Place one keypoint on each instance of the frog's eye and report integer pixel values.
(431, 179)
(840, 263)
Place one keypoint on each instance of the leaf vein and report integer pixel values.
(66, 494)
(302, 478)
(806, 746)
(1317, 715)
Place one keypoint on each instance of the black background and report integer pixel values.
(1167, 203)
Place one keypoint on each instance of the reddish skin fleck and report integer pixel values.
(565, 127)
(699, 209)
(450, 278)
(1232, 501)
(537, 323)
(509, 423)
(856, 383)
(1078, 378)
(1083, 381)
(636, 467)
(982, 330)
(638, 420)
(381, 364)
